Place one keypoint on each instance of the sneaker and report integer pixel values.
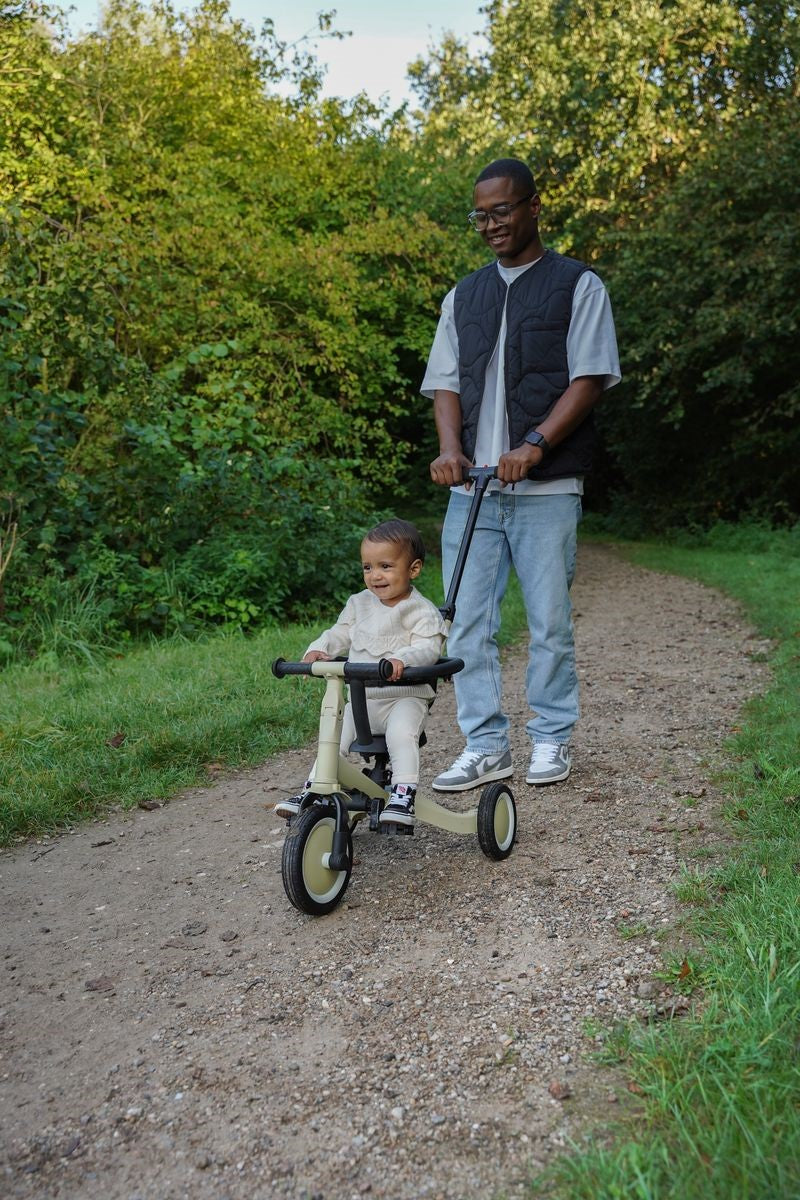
(400, 809)
(473, 767)
(290, 807)
(550, 763)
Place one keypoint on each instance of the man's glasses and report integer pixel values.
(479, 219)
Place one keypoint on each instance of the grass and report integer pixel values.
(179, 711)
(83, 730)
(720, 1088)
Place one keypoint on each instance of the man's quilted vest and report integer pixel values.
(536, 373)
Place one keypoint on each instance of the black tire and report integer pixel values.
(497, 821)
(310, 885)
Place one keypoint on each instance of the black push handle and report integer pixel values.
(481, 477)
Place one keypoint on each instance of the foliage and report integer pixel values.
(199, 278)
(221, 537)
(607, 101)
(206, 270)
(706, 295)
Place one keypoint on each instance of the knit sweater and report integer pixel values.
(367, 630)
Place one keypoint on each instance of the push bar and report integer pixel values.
(481, 477)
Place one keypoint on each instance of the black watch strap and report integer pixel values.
(538, 439)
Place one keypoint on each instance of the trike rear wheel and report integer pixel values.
(310, 884)
(497, 821)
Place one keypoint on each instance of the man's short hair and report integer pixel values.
(401, 533)
(510, 168)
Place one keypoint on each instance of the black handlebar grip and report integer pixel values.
(378, 672)
(281, 668)
(473, 473)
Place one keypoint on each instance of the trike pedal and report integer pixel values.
(375, 809)
(391, 827)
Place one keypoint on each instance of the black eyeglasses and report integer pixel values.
(479, 219)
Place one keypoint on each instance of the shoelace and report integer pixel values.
(467, 757)
(545, 753)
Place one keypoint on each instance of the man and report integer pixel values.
(524, 349)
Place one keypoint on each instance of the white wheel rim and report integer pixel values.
(504, 821)
(320, 882)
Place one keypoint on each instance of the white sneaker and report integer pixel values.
(550, 763)
(473, 767)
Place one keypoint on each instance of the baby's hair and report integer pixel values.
(400, 532)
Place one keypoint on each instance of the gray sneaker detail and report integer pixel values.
(550, 763)
(473, 767)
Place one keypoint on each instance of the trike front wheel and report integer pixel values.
(310, 884)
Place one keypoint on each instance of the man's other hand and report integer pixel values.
(513, 467)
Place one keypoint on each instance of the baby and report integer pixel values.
(391, 620)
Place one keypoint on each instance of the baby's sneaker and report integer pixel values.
(290, 807)
(400, 809)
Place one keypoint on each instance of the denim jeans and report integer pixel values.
(537, 535)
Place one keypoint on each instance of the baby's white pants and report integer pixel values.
(401, 720)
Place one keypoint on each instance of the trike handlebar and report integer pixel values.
(377, 674)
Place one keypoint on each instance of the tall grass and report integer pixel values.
(721, 1087)
(75, 739)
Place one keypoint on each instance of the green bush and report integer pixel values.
(248, 540)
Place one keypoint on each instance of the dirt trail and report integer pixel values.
(171, 1027)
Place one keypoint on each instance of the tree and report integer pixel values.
(606, 101)
(706, 423)
(202, 277)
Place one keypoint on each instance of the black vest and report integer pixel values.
(538, 314)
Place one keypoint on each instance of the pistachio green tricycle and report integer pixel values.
(318, 850)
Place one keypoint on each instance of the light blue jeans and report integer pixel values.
(537, 535)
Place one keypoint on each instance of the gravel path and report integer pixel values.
(171, 1027)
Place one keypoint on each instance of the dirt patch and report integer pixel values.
(171, 1027)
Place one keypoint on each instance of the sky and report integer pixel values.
(386, 36)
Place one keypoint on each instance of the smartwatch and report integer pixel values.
(534, 438)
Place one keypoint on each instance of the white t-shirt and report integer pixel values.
(591, 350)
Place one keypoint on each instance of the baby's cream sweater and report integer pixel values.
(367, 630)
